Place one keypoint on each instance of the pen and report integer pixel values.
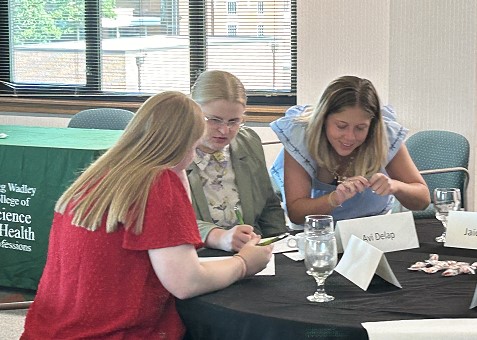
(273, 239)
(239, 215)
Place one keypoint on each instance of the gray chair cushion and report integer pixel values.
(101, 118)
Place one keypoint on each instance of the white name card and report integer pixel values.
(473, 304)
(361, 261)
(461, 230)
(388, 233)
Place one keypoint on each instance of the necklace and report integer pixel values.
(340, 178)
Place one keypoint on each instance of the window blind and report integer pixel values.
(141, 47)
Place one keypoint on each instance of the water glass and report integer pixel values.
(445, 200)
(318, 224)
(321, 256)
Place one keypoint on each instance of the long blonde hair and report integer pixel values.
(342, 93)
(162, 131)
(215, 85)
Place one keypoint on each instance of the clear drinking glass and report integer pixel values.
(321, 256)
(445, 200)
(318, 224)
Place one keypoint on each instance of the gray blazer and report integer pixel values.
(260, 205)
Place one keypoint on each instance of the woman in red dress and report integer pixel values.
(124, 237)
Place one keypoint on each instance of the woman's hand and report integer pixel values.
(381, 184)
(255, 257)
(349, 188)
(234, 238)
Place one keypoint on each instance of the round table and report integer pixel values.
(275, 307)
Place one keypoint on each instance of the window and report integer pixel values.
(133, 48)
(260, 7)
(260, 30)
(231, 7)
(232, 30)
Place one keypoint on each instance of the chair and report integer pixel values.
(442, 158)
(101, 118)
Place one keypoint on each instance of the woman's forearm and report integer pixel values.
(298, 209)
(413, 196)
(180, 271)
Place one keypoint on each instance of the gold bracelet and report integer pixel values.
(244, 265)
(333, 205)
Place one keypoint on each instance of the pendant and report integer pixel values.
(340, 179)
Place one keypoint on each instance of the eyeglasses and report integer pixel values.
(217, 122)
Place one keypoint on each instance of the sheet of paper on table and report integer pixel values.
(290, 252)
(431, 329)
(294, 255)
(269, 270)
(282, 246)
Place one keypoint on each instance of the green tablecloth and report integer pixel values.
(36, 166)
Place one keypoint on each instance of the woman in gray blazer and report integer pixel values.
(231, 190)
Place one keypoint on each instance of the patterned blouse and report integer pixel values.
(218, 179)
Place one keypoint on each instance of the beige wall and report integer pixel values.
(421, 56)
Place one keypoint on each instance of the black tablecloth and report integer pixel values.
(275, 307)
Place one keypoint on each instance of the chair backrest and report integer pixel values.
(101, 118)
(434, 150)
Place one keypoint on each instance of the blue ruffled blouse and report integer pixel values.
(291, 133)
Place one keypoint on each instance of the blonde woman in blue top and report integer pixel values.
(345, 156)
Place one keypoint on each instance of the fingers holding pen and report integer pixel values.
(240, 235)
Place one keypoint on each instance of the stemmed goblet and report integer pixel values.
(445, 200)
(318, 225)
(321, 256)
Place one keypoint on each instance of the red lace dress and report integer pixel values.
(102, 286)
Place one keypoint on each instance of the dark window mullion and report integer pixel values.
(93, 45)
(198, 40)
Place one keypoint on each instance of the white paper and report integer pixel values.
(388, 233)
(295, 256)
(361, 261)
(425, 329)
(386, 273)
(281, 246)
(461, 230)
(269, 270)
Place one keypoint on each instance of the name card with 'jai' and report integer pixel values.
(391, 232)
(461, 230)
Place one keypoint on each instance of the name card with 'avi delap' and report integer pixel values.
(391, 232)
(461, 230)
